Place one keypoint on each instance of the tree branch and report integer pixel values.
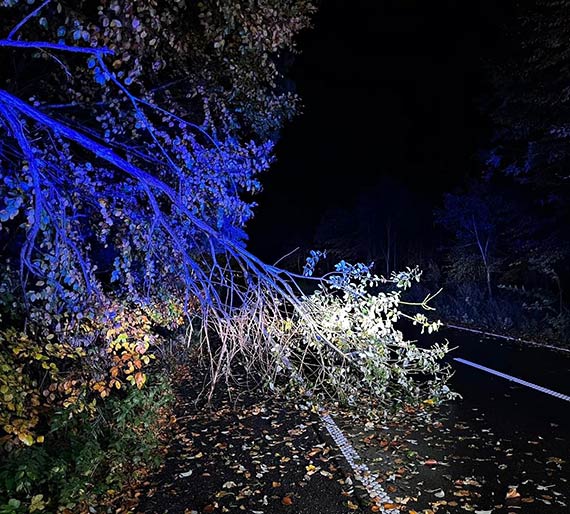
(39, 45)
(35, 12)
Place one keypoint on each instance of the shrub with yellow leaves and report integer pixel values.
(26, 365)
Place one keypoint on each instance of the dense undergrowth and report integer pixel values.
(86, 458)
(507, 314)
(534, 314)
(84, 406)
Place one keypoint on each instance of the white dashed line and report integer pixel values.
(361, 471)
(515, 379)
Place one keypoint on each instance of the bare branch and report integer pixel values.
(35, 12)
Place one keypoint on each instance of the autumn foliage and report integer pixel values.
(98, 266)
(133, 135)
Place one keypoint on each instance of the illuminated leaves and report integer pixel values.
(512, 492)
(65, 372)
(139, 379)
(356, 313)
(38, 503)
(26, 438)
(11, 208)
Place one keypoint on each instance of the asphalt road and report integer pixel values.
(505, 402)
(503, 448)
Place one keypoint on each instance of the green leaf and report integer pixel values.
(37, 503)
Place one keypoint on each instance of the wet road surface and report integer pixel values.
(504, 448)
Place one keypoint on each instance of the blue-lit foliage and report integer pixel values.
(70, 204)
(164, 208)
(127, 178)
(116, 187)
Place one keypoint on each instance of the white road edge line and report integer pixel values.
(514, 379)
(361, 471)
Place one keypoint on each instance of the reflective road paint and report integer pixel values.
(514, 379)
(361, 471)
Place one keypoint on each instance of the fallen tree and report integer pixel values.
(158, 201)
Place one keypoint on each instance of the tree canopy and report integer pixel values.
(134, 135)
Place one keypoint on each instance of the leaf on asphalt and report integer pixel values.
(287, 500)
(221, 494)
(512, 492)
(311, 469)
(186, 474)
(314, 452)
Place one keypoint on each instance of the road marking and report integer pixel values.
(361, 471)
(508, 338)
(556, 394)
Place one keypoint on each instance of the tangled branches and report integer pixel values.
(158, 212)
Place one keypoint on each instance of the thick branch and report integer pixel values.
(42, 45)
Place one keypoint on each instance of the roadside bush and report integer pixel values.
(88, 455)
(83, 399)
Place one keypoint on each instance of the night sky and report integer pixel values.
(391, 94)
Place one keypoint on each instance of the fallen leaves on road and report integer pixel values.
(258, 457)
(437, 461)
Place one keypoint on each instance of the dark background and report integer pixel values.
(392, 93)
